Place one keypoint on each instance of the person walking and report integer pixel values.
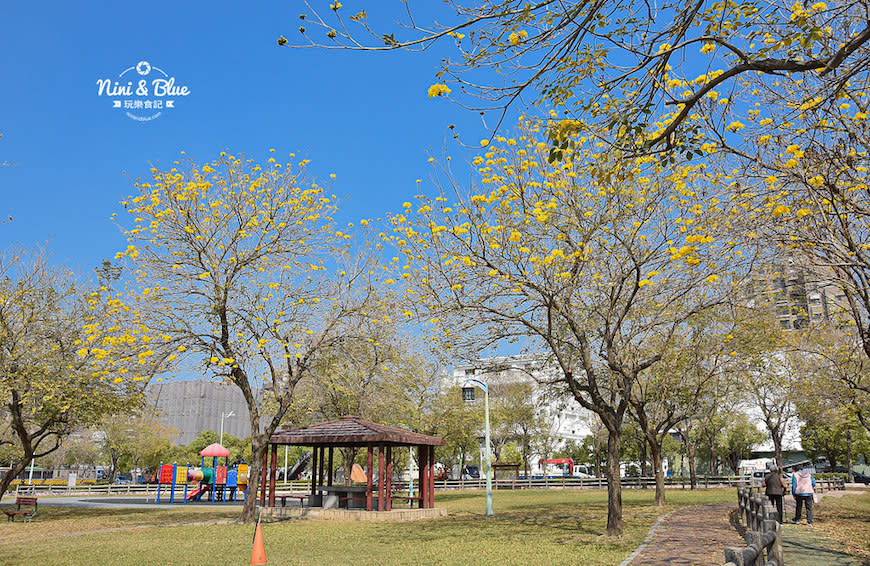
(774, 488)
(803, 488)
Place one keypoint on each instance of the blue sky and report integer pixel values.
(364, 116)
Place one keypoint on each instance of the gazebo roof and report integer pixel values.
(352, 431)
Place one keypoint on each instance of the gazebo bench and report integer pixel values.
(285, 496)
(347, 499)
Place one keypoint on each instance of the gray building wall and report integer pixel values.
(192, 407)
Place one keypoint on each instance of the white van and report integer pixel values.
(757, 478)
(582, 471)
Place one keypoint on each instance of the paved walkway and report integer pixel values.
(694, 535)
(698, 536)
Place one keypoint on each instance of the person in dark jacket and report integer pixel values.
(774, 488)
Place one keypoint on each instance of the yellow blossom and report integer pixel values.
(438, 90)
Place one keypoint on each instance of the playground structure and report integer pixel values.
(220, 483)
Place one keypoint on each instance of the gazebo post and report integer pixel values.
(314, 471)
(389, 482)
(369, 473)
(263, 463)
(320, 470)
(329, 472)
(431, 476)
(422, 456)
(273, 473)
(382, 482)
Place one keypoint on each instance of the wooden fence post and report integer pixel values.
(753, 540)
(774, 554)
(734, 555)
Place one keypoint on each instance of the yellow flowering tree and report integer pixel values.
(596, 260)
(807, 181)
(619, 64)
(64, 347)
(246, 273)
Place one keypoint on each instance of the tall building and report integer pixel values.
(801, 293)
(192, 407)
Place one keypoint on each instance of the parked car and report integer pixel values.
(124, 479)
(471, 473)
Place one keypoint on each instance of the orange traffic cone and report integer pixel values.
(258, 554)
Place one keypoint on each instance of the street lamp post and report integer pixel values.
(468, 395)
(224, 415)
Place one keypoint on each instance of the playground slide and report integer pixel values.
(196, 492)
(300, 466)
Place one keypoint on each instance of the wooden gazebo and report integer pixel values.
(352, 431)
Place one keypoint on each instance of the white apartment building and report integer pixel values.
(568, 421)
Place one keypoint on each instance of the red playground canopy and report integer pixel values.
(215, 450)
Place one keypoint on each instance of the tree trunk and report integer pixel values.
(527, 456)
(597, 447)
(259, 445)
(712, 458)
(655, 450)
(690, 454)
(348, 455)
(641, 445)
(851, 476)
(777, 449)
(614, 484)
(17, 468)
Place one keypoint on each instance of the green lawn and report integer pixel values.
(847, 520)
(530, 528)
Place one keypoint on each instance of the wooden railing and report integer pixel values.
(831, 484)
(763, 532)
